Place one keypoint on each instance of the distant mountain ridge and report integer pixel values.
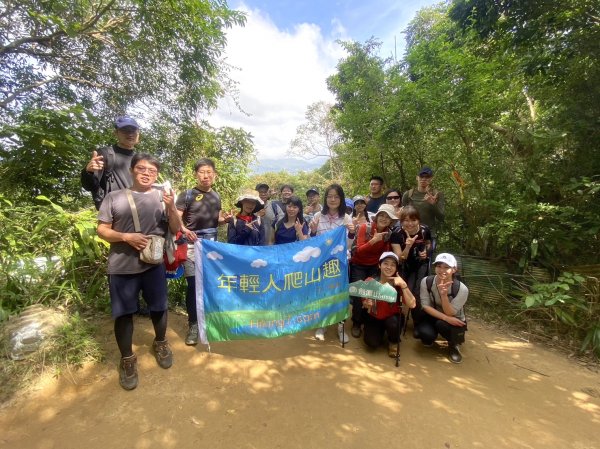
(290, 165)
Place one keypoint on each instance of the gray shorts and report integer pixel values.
(189, 266)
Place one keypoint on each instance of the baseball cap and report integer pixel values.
(261, 186)
(426, 171)
(388, 254)
(122, 122)
(312, 190)
(359, 198)
(349, 203)
(446, 258)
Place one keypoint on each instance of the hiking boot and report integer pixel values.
(356, 331)
(342, 335)
(191, 339)
(128, 376)
(393, 349)
(455, 356)
(320, 334)
(163, 353)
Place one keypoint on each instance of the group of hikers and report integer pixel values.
(391, 239)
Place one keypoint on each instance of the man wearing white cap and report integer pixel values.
(443, 298)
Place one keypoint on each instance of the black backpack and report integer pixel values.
(100, 191)
(453, 290)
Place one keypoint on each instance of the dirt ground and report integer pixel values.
(296, 392)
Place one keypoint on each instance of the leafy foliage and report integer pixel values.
(49, 256)
(111, 54)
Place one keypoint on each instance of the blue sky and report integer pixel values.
(284, 54)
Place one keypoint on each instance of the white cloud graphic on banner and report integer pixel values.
(258, 263)
(306, 254)
(213, 255)
(337, 249)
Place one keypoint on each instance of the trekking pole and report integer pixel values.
(399, 302)
(408, 315)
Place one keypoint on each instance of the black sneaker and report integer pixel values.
(191, 339)
(128, 376)
(356, 331)
(163, 353)
(455, 356)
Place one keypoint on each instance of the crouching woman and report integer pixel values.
(381, 317)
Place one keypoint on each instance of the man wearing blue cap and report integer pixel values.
(429, 202)
(108, 169)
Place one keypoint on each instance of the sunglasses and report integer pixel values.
(395, 197)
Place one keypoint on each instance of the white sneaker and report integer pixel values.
(320, 334)
(343, 336)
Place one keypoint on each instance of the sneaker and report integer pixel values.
(342, 335)
(191, 339)
(392, 349)
(455, 356)
(356, 331)
(320, 334)
(128, 376)
(163, 353)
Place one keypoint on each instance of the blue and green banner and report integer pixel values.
(245, 292)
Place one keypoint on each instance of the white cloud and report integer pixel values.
(213, 255)
(258, 263)
(281, 72)
(337, 249)
(306, 254)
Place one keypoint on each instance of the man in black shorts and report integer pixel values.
(128, 275)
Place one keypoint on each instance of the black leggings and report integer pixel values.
(190, 300)
(375, 329)
(124, 330)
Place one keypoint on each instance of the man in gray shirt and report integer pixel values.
(270, 214)
(128, 275)
(443, 299)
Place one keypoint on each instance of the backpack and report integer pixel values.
(411, 191)
(354, 245)
(453, 290)
(99, 192)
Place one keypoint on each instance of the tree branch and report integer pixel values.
(14, 47)
(12, 97)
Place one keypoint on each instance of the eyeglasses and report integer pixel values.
(394, 197)
(205, 173)
(139, 169)
(333, 197)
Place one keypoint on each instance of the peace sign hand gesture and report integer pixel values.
(410, 240)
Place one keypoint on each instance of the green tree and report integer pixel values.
(67, 68)
(108, 55)
(318, 137)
